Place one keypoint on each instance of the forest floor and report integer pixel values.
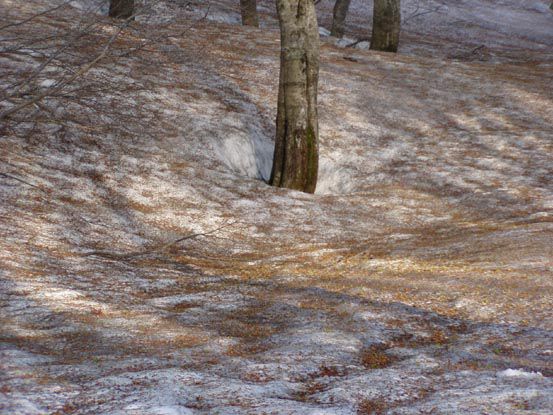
(417, 280)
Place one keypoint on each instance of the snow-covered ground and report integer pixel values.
(469, 29)
(417, 280)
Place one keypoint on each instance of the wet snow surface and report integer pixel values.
(417, 280)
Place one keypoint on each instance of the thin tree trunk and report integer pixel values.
(121, 9)
(386, 25)
(341, 8)
(248, 9)
(296, 157)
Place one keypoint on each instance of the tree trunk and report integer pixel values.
(121, 9)
(386, 25)
(296, 157)
(248, 9)
(339, 18)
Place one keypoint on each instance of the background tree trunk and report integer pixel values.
(248, 9)
(121, 9)
(386, 25)
(339, 18)
(296, 158)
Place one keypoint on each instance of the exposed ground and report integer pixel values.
(418, 280)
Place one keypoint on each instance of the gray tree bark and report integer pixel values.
(386, 25)
(341, 8)
(248, 9)
(121, 9)
(296, 157)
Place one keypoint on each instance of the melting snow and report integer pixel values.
(412, 282)
(519, 373)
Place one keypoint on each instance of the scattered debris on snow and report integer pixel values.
(417, 279)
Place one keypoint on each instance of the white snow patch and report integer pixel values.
(323, 31)
(47, 83)
(160, 410)
(519, 373)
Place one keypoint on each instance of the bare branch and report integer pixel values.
(83, 70)
(22, 22)
(416, 13)
(9, 176)
(161, 248)
(363, 39)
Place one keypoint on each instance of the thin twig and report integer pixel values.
(121, 256)
(167, 36)
(363, 39)
(417, 14)
(468, 54)
(83, 70)
(22, 22)
(9, 176)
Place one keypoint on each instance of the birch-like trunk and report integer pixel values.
(386, 25)
(248, 9)
(121, 9)
(341, 8)
(296, 158)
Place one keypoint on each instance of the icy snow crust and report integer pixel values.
(417, 280)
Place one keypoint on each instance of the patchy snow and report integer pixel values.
(324, 32)
(48, 83)
(509, 29)
(417, 279)
(519, 373)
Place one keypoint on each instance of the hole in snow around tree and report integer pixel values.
(252, 156)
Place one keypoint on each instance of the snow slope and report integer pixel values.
(417, 280)
(502, 29)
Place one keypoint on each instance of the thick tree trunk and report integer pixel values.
(386, 25)
(296, 158)
(121, 9)
(341, 8)
(248, 9)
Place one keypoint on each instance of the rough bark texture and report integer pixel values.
(121, 9)
(248, 9)
(296, 157)
(341, 8)
(386, 25)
